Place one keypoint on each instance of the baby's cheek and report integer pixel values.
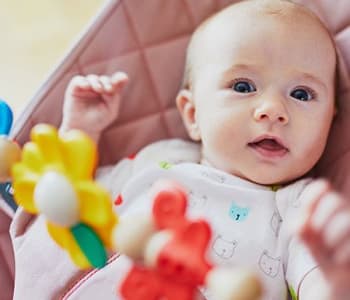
(311, 138)
(215, 148)
(312, 150)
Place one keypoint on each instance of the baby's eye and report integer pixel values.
(243, 86)
(302, 94)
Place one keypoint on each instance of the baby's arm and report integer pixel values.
(326, 232)
(92, 103)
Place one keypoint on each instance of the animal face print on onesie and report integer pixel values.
(214, 176)
(197, 200)
(224, 248)
(238, 213)
(269, 265)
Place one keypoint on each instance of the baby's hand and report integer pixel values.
(92, 103)
(326, 232)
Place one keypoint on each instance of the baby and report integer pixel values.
(259, 96)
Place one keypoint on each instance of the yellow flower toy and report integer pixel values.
(55, 178)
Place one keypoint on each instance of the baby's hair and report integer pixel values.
(266, 7)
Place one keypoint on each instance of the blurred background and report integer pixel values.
(35, 35)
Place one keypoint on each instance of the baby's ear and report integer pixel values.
(187, 109)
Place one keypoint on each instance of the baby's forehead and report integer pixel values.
(241, 13)
(244, 16)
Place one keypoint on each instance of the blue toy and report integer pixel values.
(6, 118)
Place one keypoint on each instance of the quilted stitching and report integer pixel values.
(158, 12)
(147, 40)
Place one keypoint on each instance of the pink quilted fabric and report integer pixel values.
(147, 40)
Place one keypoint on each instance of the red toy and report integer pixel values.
(173, 250)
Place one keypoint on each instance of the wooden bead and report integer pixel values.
(234, 284)
(10, 153)
(132, 234)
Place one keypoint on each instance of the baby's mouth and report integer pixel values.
(269, 146)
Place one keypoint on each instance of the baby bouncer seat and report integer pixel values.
(147, 40)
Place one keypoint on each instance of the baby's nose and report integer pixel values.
(271, 110)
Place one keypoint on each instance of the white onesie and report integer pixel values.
(251, 224)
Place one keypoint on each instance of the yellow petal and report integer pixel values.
(45, 136)
(63, 237)
(32, 157)
(95, 204)
(79, 153)
(97, 210)
(24, 185)
(60, 235)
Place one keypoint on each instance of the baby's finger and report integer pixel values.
(119, 79)
(106, 82)
(323, 211)
(95, 83)
(313, 193)
(309, 199)
(337, 230)
(78, 83)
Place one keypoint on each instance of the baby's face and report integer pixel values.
(263, 92)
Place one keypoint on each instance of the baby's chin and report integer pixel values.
(273, 179)
(277, 177)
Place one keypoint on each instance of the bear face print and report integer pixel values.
(238, 213)
(224, 248)
(214, 176)
(196, 200)
(269, 265)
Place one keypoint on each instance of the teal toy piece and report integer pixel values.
(6, 118)
(90, 244)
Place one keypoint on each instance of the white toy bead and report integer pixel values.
(154, 245)
(237, 284)
(131, 235)
(55, 198)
